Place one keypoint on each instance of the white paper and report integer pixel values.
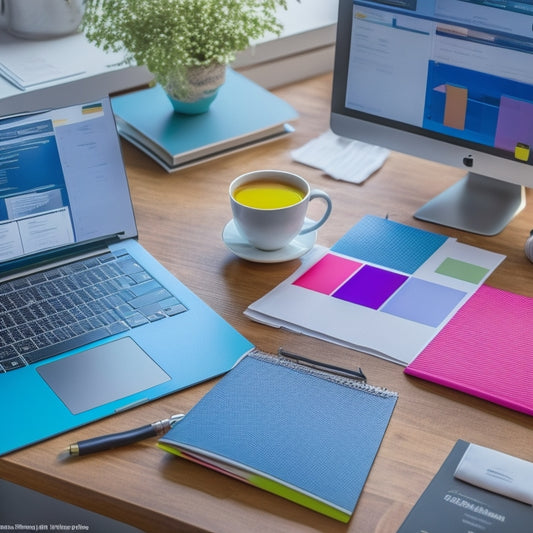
(27, 66)
(341, 158)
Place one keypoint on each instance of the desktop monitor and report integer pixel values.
(445, 80)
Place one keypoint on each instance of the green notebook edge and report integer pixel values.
(274, 487)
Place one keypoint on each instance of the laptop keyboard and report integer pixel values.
(47, 313)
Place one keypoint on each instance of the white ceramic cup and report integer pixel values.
(272, 229)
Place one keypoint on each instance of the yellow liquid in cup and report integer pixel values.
(265, 194)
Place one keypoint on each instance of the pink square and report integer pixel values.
(327, 274)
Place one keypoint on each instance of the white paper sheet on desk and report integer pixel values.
(27, 67)
(341, 158)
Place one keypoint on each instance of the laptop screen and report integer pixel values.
(62, 182)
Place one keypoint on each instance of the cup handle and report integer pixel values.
(317, 193)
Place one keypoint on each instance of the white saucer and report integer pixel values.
(242, 248)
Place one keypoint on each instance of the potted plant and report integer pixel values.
(185, 44)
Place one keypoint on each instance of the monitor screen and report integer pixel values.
(446, 80)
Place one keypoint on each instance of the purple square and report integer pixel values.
(515, 123)
(370, 287)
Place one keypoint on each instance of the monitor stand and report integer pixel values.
(476, 203)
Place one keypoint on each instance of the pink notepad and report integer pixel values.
(485, 350)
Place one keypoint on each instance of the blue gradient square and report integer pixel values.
(423, 302)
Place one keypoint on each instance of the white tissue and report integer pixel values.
(497, 472)
(341, 158)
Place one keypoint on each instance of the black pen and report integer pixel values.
(354, 374)
(114, 440)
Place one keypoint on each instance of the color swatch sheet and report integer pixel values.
(384, 288)
(485, 350)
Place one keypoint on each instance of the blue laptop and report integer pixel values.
(90, 323)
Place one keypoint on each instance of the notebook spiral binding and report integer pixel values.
(292, 362)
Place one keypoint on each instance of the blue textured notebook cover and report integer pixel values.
(390, 244)
(284, 422)
(242, 112)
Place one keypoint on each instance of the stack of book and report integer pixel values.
(242, 114)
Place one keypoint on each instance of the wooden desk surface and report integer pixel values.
(180, 218)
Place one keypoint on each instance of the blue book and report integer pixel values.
(289, 427)
(242, 114)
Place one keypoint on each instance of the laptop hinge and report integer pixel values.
(57, 258)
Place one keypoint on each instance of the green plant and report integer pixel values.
(167, 34)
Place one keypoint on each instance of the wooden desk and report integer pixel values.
(180, 219)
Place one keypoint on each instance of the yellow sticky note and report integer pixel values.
(521, 152)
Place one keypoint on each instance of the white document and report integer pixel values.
(10, 241)
(46, 231)
(27, 64)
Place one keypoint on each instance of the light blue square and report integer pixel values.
(423, 302)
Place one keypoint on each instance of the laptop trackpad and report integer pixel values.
(102, 374)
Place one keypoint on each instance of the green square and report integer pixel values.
(461, 270)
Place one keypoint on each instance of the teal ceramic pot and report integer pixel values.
(192, 108)
(191, 90)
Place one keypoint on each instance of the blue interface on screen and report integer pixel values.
(461, 68)
(61, 179)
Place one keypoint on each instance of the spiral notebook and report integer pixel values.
(290, 428)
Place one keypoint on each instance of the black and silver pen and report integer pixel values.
(353, 374)
(114, 440)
